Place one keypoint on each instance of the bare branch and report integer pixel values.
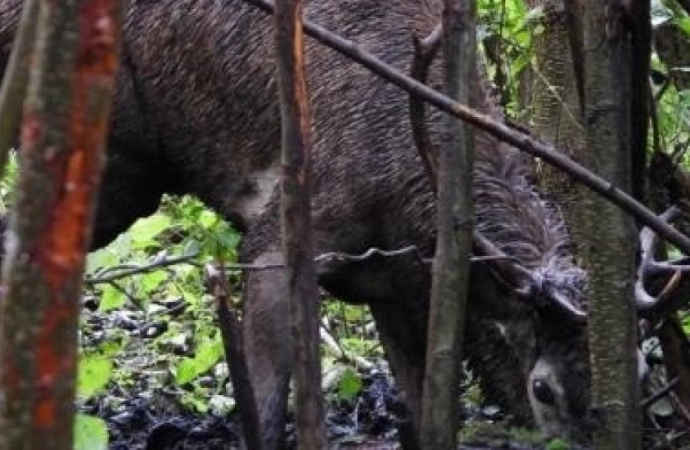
(410, 250)
(685, 4)
(649, 401)
(424, 52)
(157, 263)
(328, 339)
(231, 330)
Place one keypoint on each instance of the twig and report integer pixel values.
(683, 409)
(341, 353)
(16, 78)
(424, 52)
(649, 401)
(231, 330)
(409, 250)
(685, 4)
(158, 263)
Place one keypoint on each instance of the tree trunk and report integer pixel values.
(611, 236)
(454, 238)
(296, 221)
(556, 113)
(63, 135)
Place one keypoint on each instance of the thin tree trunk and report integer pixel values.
(296, 221)
(15, 79)
(611, 251)
(454, 239)
(63, 134)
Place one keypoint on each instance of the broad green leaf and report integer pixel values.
(186, 371)
(101, 259)
(350, 384)
(151, 281)
(90, 433)
(111, 298)
(94, 374)
(208, 219)
(144, 231)
(208, 353)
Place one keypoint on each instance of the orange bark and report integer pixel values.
(63, 151)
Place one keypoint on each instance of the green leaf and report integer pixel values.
(350, 384)
(101, 259)
(90, 433)
(200, 404)
(144, 231)
(208, 353)
(149, 282)
(558, 444)
(111, 298)
(94, 374)
(684, 24)
(186, 371)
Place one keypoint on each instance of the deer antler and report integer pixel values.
(522, 280)
(649, 266)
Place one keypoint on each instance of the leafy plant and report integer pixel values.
(90, 433)
(148, 282)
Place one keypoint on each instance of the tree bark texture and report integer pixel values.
(454, 236)
(556, 113)
(63, 135)
(612, 235)
(296, 224)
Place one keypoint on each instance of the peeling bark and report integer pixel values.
(66, 116)
(298, 244)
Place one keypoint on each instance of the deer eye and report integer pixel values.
(542, 392)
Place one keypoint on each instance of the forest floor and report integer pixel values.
(167, 388)
(158, 421)
(147, 407)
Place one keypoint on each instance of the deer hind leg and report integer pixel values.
(268, 346)
(397, 290)
(400, 337)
